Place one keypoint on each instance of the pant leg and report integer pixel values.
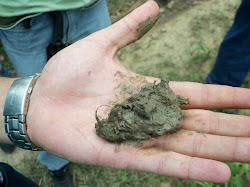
(81, 23)
(233, 61)
(14, 179)
(26, 47)
(52, 162)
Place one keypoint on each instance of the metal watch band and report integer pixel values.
(15, 111)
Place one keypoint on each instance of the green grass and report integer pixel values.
(100, 176)
(6, 63)
(240, 175)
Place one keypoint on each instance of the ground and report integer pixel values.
(192, 30)
(182, 46)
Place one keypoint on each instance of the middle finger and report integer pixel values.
(193, 143)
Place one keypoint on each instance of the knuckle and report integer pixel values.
(162, 164)
(197, 144)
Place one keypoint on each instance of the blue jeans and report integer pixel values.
(27, 48)
(233, 61)
(13, 178)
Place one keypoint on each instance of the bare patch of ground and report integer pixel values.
(179, 32)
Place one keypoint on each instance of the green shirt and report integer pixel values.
(14, 11)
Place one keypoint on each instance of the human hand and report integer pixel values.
(88, 74)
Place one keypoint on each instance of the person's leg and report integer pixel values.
(233, 60)
(10, 177)
(52, 162)
(27, 50)
(81, 23)
(60, 176)
(26, 44)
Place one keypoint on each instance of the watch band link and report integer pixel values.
(15, 128)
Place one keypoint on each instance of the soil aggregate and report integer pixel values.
(153, 111)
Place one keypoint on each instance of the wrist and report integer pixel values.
(6, 82)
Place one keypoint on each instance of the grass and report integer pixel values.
(6, 63)
(86, 175)
(201, 56)
(239, 173)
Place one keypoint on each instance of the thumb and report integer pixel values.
(130, 28)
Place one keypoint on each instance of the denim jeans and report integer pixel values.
(233, 61)
(27, 48)
(12, 178)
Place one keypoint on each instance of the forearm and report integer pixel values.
(5, 84)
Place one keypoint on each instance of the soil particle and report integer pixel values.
(153, 111)
(171, 4)
(201, 133)
(129, 86)
(145, 26)
(190, 134)
(153, 151)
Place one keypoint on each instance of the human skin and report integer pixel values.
(83, 76)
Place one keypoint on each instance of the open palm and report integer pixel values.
(88, 74)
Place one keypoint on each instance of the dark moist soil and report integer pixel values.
(153, 111)
(145, 26)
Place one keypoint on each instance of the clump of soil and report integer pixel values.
(153, 111)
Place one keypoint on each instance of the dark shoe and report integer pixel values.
(61, 178)
(7, 148)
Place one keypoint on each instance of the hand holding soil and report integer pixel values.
(88, 74)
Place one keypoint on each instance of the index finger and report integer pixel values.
(209, 96)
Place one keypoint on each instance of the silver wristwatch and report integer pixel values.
(15, 111)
